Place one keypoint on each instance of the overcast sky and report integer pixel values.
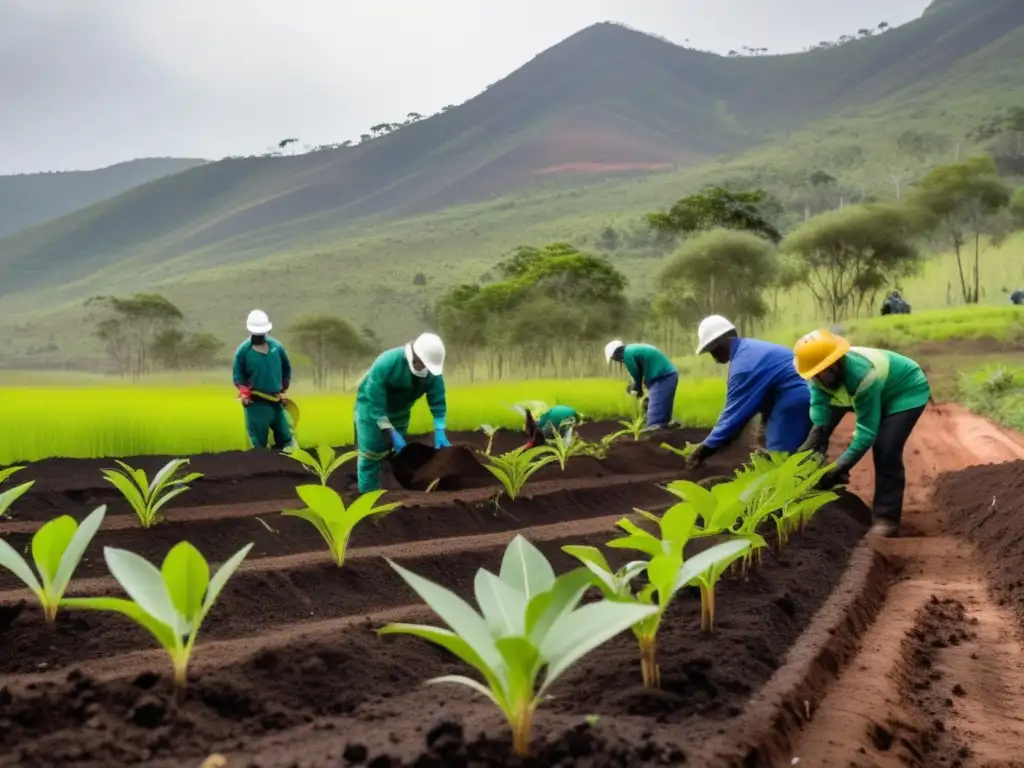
(87, 83)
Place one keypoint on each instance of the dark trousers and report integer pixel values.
(890, 474)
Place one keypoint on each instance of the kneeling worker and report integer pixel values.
(262, 373)
(762, 380)
(384, 401)
(888, 393)
(648, 365)
(557, 418)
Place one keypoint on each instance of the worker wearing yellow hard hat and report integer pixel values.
(887, 392)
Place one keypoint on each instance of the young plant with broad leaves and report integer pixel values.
(563, 445)
(56, 548)
(635, 427)
(515, 467)
(529, 630)
(685, 452)
(668, 572)
(148, 497)
(170, 602)
(325, 463)
(326, 511)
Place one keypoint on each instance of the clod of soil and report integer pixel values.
(419, 468)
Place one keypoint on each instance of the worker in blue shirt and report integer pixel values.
(762, 380)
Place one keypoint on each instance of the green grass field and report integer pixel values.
(119, 421)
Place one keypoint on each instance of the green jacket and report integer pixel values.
(270, 373)
(646, 364)
(390, 388)
(556, 416)
(876, 383)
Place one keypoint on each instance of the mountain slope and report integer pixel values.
(608, 99)
(30, 199)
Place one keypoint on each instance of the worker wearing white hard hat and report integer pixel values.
(384, 401)
(648, 365)
(262, 375)
(762, 381)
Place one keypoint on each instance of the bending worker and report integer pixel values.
(648, 365)
(888, 393)
(559, 417)
(262, 373)
(384, 400)
(762, 381)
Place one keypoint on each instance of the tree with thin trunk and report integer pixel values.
(963, 203)
(331, 344)
(846, 254)
(131, 327)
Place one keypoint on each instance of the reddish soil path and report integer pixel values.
(939, 679)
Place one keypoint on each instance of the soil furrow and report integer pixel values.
(940, 673)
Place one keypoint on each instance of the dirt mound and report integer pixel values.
(986, 504)
(419, 468)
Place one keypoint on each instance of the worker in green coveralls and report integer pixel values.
(887, 392)
(262, 373)
(384, 400)
(648, 365)
(559, 417)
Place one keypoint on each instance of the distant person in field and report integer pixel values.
(559, 418)
(649, 366)
(894, 304)
(1017, 297)
(762, 381)
(888, 393)
(262, 373)
(384, 400)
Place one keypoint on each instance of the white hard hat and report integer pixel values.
(258, 322)
(711, 329)
(430, 349)
(610, 347)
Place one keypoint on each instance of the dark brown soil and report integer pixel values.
(76, 486)
(986, 504)
(312, 702)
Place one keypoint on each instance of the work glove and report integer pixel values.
(397, 441)
(700, 454)
(838, 475)
(441, 439)
(245, 394)
(634, 391)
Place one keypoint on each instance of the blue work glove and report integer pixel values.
(440, 438)
(397, 441)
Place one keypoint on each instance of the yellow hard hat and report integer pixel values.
(817, 351)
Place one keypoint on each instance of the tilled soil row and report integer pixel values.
(358, 697)
(272, 534)
(76, 486)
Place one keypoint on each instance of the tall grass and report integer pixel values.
(116, 421)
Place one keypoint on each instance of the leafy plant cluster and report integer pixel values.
(529, 626)
(170, 602)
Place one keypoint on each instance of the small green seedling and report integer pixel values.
(327, 512)
(564, 444)
(529, 621)
(57, 548)
(11, 495)
(325, 463)
(171, 603)
(490, 431)
(686, 451)
(517, 466)
(635, 427)
(667, 572)
(147, 498)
